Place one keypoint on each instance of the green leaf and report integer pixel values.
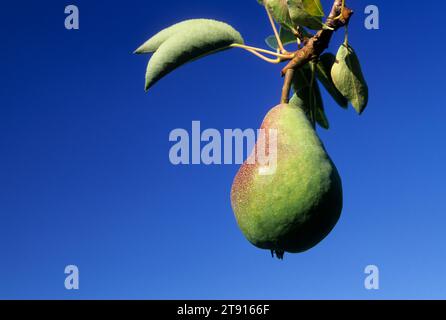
(306, 13)
(279, 11)
(158, 39)
(307, 96)
(321, 118)
(313, 7)
(285, 35)
(348, 78)
(272, 42)
(189, 42)
(324, 66)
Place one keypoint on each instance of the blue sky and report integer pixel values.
(85, 177)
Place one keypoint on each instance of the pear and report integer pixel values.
(295, 207)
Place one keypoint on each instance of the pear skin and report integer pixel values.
(295, 207)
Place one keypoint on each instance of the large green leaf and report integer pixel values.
(286, 36)
(324, 66)
(306, 13)
(349, 79)
(307, 96)
(158, 39)
(279, 11)
(184, 43)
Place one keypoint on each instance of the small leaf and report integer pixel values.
(324, 66)
(271, 41)
(348, 78)
(321, 118)
(306, 13)
(318, 106)
(190, 42)
(307, 96)
(286, 36)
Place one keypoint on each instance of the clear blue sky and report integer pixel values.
(85, 177)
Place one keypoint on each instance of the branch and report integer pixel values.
(315, 46)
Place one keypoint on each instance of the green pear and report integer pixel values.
(297, 205)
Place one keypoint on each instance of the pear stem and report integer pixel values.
(287, 86)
